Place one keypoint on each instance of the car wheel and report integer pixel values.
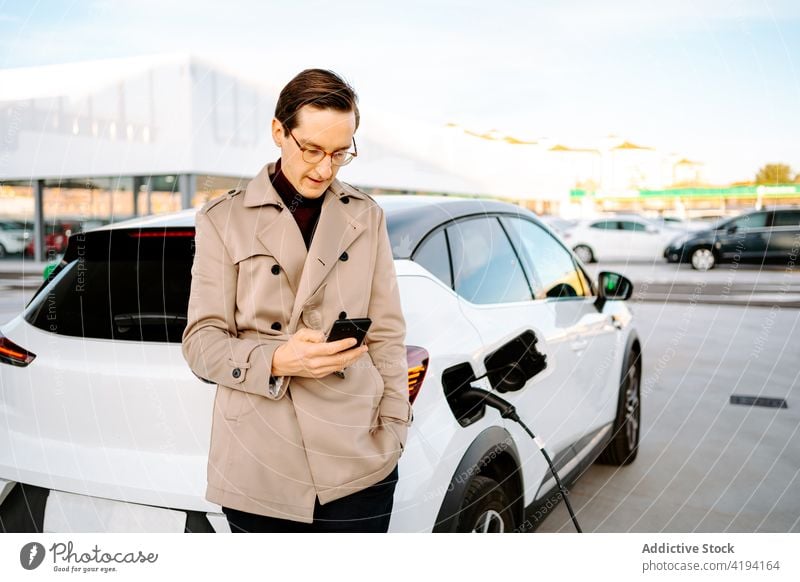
(486, 508)
(624, 444)
(703, 259)
(584, 253)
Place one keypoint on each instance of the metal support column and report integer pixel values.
(138, 181)
(38, 220)
(188, 184)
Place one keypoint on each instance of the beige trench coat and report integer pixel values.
(273, 451)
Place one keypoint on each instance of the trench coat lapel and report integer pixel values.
(276, 228)
(336, 230)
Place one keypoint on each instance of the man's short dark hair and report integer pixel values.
(318, 87)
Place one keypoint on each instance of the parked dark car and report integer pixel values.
(761, 236)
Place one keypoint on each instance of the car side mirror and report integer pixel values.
(614, 287)
(651, 229)
(49, 268)
(731, 229)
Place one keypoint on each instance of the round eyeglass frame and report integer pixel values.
(312, 155)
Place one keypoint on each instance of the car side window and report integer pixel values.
(786, 218)
(604, 225)
(485, 267)
(554, 270)
(434, 255)
(632, 225)
(754, 220)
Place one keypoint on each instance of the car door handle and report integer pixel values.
(578, 345)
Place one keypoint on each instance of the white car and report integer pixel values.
(679, 223)
(557, 224)
(14, 237)
(105, 428)
(620, 238)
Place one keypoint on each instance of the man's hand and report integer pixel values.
(307, 354)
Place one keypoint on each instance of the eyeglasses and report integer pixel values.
(316, 155)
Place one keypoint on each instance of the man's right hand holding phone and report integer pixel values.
(307, 354)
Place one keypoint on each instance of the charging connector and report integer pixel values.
(477, 397)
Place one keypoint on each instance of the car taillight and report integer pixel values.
(11, 353)
(161, 233)
(417, 366)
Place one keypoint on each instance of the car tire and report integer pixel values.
(624, 444)
(584, 253)
(486, 508)
(703, 259)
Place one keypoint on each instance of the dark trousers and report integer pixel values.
(367, 511)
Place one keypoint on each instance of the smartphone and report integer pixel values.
(344, 328)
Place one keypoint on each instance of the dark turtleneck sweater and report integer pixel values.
(306, 211)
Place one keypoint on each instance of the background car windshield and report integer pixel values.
(752, 220)
(632, 225)
(605, 225)
(786, 218)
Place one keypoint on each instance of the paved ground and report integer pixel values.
(705, 465)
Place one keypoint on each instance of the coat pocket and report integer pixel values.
(399, 430)
(227, 402)
(240, 405)
(258, 267)
(377, 394)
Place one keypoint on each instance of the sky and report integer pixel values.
(716, 81)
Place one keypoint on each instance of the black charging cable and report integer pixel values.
(507, 410)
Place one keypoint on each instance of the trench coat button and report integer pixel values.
(343, 315)
(344, 256)
(236, 372)
(276, 269)
(345, 200)
(276, 326)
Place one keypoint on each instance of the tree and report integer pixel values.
(774, 174)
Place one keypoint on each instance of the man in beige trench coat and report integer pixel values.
(305, 433)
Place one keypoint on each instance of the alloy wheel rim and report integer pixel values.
(632, 408)
(702, 259)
